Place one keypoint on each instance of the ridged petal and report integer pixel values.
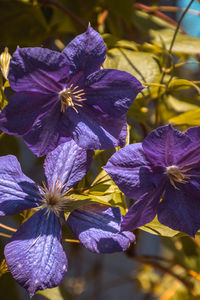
(35, 256)
(98, 229)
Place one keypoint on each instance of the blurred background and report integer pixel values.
(163, 264)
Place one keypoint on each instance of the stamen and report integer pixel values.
(176, 174)
(54, 199)
(70, 96)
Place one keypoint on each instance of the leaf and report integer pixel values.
(182, 84)
(145, 22)
(155, 227)
(29, 29)
(190, 118)
(102, 191)
(184, 44)
(180, 105)
(113, 42)
(57, 293)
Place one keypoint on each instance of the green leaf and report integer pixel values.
(112, 41)
(180, 105)
(155, 227)
(102, 191)
(190, 118)
(145, 22)
(29, 29)
(184, 44)
(182, 84)
(57, 293)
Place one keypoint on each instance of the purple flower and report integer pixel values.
(163, 172)
(64, 96)
(34, 254)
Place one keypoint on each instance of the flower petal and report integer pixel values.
(131, 171)
(97, 227)
(180, 208)
(17, 191)
(192, 152)
(38, 70)
(86, 52)
(94, 130)
(35, 256)
(48, 131)
(68, 163)
(22, 110)
(164, 146)
(112, 90)
(143, 210)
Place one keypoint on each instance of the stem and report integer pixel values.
(71, 241)
(7, 228)
(5, 235)
(178, 25)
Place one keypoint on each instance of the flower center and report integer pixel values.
(70, 97)
(176, 175)
(53, 198)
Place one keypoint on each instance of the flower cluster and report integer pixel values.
(163, 172)
(34, 254)
(65, 106)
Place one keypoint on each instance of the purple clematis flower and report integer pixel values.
(165, 166)
(34, 254)
(64, 96)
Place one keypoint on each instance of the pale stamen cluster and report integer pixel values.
(70, 97)
(176, 174)
(53, 198)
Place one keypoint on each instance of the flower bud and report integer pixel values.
(5, 58)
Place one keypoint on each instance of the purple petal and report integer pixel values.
(97, 227)
(192, 152)
(86, 52)
(132, 172)
(22, 110)
(144, 210)
(112, 90)
(38, 70)
(68, 163)
(180, 208)
(48, 131)
(17, 191)
(92, 129)
(164, 146)
(35, 256)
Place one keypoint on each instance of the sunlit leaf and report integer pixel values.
(56, 294)
(155, 227)
(184, 44)
(190, 118)
(182, 84)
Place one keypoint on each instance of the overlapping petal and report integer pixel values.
(38, 70)
(35, 256)
(97, 227)
(17, 191)
(132, 172)
(94, 130)
(180, 207)
(18, 116)
(68, 163)
(192, 152)
(86, 53)
(112, 90)
(143, 210)
(49, 130)
(165, 145)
